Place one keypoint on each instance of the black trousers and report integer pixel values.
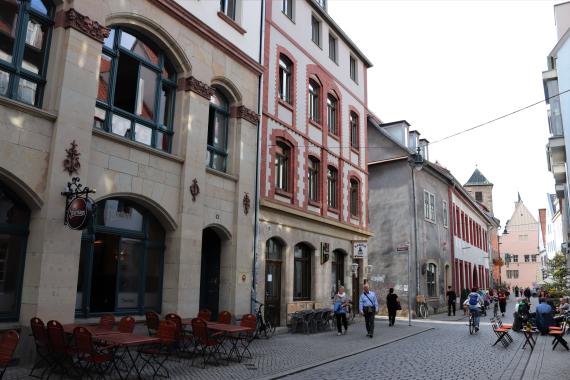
(341, 321)
(369, 319)
(502, 306)
(391, 316)
(450, 306)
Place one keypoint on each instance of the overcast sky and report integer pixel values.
(445, 66)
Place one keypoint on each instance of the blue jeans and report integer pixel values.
(476, 313)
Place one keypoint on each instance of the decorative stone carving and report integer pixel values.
(83, 24)
(246, 203)
(200, 88)
(194, 189)
(247, 114)
(71, 163)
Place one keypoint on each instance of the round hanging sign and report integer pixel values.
(78, 213)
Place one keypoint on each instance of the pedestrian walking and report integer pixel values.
(368, 305)
(451, 298)
(516, 291)
(341, 301)
(393, 306)
(527, 294)
(502, 302)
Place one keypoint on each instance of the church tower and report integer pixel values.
(481, 189)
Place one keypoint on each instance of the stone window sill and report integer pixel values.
(23, 107)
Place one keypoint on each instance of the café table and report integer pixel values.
(229, 333)
(94, 329)
(529, 338)
(127, 341)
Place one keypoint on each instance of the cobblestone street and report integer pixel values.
(438, 348)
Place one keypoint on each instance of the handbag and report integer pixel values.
(369, 309)
(398, 306)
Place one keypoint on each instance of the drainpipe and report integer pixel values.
(257, 162)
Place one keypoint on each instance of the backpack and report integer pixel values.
(473, 299)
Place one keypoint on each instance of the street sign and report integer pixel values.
(360, 250)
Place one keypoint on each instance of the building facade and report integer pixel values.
(313, 188)
(153, 103)
(520, 249)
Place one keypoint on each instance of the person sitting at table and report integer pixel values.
(544, 316)
(563, 309)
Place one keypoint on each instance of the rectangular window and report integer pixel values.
(316, 30)
(228, 7)
(314, 91)
(332, 187)
(287, 8)
(445, 214)
(313, 179)
(282, 167)
(333, 45)
(353, 130)
(354, 198)
(429, 206)
(515, 258)
(431, 279)
(332, 115)
(353, 69)
(285, 73)
(479, 196)
(533, 258)
(507, 258)
(527, 258)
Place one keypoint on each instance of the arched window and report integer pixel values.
(354, 197)
(353, 119)
(313, 179)
(314, 96)
(332, 115)
(332, 187)
(121, 261)
(218, 132)
(285, 78)
(25, 33)
(136, 92)
(431, 277)
(282, 166)
(302, 272)
(14, 219)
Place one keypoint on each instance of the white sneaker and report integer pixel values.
(338, 334)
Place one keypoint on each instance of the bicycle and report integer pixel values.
(471, 323)
(263, 325)
(496, 309)
(421, 307)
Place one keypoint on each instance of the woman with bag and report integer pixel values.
(393, 306)
(341, 301)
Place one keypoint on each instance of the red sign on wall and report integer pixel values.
(78, 213)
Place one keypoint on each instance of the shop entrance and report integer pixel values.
(273, 260)
(210, 271)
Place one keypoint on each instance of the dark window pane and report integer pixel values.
(129, 263)
(104, 78)
(126, 83)
(155, 230)
(11, 254)
(166, 98)
(121, 126)
(162, 141)
(41, 6)
(135, 45)
(153, 289)
(27, 91)
(8, 19)
(143, 134)
(12, 212)
(118, 213)
(4, 79)
(147, 93)
(274, 250)
(81, 281)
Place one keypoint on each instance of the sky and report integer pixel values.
(445, 66)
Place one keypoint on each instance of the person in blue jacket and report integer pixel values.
(368, 305)
(341, 301)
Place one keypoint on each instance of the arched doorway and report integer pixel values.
(273, 261)
(14, 220)
(210, 271)
(121, 262)
(337, 270)
(302, 270)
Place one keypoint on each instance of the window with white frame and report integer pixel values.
(429, 206)
(333, 47)
(515, 258)
(287, 8)
(316, 30)
(353, 69)
(512, 274)
(228, 7)
(445, 214)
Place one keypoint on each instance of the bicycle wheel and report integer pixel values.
(423, 311)
(269, 329)
(471, 324)
(496, 310)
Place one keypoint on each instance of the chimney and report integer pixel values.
(424, 148)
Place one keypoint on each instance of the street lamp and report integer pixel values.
(416, 162)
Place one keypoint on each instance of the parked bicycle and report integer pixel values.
(421, 307)
(263, 327)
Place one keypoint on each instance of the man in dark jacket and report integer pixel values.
(527, 294)
(451, 297)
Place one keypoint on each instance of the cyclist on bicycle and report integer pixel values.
(475, 303)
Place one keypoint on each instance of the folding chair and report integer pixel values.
(183, 338)
(205, 314)
(225, 317)
(247, 320)
(61, 353)
(152, 322)
(41, 341)
(106, 322)
(126, 325)
(157, 355)
(558, 334)
(8, 344)
(507, 326)
(91, 357)
(207, 346)
(502, 334)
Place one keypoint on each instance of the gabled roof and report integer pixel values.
(478, 179)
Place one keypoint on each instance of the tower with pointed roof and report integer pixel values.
(481, 189)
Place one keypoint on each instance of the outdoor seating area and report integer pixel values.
(311, 321)
(116, 349)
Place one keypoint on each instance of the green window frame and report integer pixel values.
(125, 103)
(152, 244)
(23, 67)
(218, 125)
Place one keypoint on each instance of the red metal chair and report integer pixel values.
(156, 356)
(205, 314)
(247, 320)
(8, 344)
(127, 325)
(225, 317)
(208, 346)
(152, 322)
(183, 337)
(92, 357)
(61, 353)
(106, 322)
(41, 341)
